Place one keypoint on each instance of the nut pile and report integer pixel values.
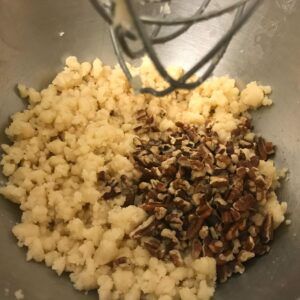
(203, 196)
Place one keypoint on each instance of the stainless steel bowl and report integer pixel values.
(267, 49)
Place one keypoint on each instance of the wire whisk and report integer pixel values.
(129, 26)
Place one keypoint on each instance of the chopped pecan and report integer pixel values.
(239, 268)
(261, 194)
(220, 202)
(267, 229)
(180, 184)
(204, 211)
(254, 161)
(183, 161)
(248, 244)
(261, 249)
(129, 198)
(236, 216)
(244, 203)
(233, 232)
(160, 212)
(261, 148)
(198, 198)
(194, 228)
(213, 232)
(184, 205)
(198, 166)
(152, 206)
(196, 248)
(245, 144)
(211, 144)
(218, 181)
(270, 148)
(121, 261)
(229, 147)
(176, 257)
(254, 231)
(205, 153)
(203, 195)
(170, 234)
(241, 172)
(153, 245)
(144, 228)
(234, 194)
(216, 246)
(203, 232)
(245, 255)
(223, 161)
(226, 217)
(224, 272)
(260, 182)
(112, 193)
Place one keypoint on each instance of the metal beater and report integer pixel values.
(128, 26)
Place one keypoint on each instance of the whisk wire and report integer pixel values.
(120, 38)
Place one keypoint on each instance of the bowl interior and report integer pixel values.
(266, 49)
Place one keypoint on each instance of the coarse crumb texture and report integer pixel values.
(82, 124)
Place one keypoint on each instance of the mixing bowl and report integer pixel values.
(35, 37)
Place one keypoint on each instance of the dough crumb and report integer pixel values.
(19, 294)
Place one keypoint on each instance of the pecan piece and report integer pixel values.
(270, 148)
(198, 198)
(160, 212)
(113, 192)
(236, 216)
(261, 249)
(233, 232)
(241, 172)
(267, 229)
(204, 211)
(229, 148)
(248, 244)
(222, 161)
(122, 261)
(245, 144)
(224, 272)
(234, 194)
(254, 161)
(176, 257)
(152, 206)
(144, 228)
(261, 148)
(203, 232)
(198, 166)
(226, 217)
(184, 205)
(183, 161)
(211, 144)
(194, 228)
(196, 248)
(239, 268)
(216, 246)
(218, 181)
(170, 234)
(244, 203)
(153, 245)
(245, 255)
(254, 231)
